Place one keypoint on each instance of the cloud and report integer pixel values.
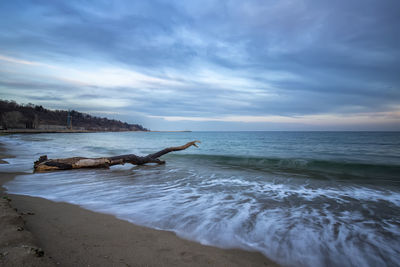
(18, 61)
(234, 61)
(322, 119)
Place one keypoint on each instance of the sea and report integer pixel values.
(300, 198)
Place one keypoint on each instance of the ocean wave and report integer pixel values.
(294, 225)
(314, 168)
(301, 205)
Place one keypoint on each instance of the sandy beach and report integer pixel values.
(39, 232)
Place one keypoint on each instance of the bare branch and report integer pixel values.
(45, 164)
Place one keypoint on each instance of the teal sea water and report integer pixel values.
(300, 198)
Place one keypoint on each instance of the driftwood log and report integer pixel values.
(45, 164)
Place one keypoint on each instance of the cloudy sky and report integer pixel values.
(208, 65)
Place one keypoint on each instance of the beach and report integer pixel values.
(200, 133)
(240, 198)
(60, 234)
(18, 246)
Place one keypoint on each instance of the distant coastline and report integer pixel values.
(30, 118)
(33, 131)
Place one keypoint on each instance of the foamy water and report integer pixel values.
(302, 199)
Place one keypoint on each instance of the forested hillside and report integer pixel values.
(30, 116)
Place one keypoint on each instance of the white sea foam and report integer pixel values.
(282, 222)
(295, 221)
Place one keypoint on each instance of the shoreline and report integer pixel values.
(18, 245)
(73, 236)
(36, 131)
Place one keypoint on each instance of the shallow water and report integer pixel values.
(300, 198)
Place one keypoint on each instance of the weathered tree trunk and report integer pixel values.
(44, 164)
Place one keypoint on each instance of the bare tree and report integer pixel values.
(13, 119)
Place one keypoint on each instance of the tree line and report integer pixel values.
(30, 116)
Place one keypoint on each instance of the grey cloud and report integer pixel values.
(343, 54)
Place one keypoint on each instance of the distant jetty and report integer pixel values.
(185, 131)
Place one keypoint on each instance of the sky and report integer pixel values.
(209, 64)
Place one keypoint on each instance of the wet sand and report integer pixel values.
(18, 246)
(62, 234)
